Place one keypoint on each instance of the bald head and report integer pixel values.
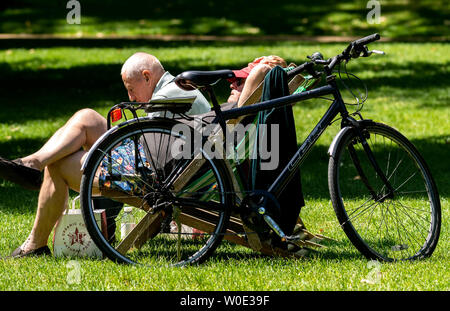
(140, 74)
(140, 61)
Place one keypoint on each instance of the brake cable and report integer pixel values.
(360, 99)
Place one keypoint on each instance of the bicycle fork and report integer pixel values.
(371, 157)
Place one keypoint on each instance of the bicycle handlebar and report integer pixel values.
(353, 50)
(367, 40)
(305, 66)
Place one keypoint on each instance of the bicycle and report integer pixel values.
(381, 189)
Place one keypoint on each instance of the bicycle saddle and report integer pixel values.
(190, 80)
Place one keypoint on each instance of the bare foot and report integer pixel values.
(28, 245)
(29, 161)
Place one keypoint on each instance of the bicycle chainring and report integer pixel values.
(249, 211)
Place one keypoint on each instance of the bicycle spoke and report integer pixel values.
(405, 182)
(409, 234)
(152, 163)
(404, 210)
(397, 221)
(364, 211)
(370, 220)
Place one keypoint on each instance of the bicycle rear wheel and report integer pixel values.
(403, 225)
(134, 165)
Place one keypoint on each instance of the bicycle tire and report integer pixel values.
(404, 227)
(166, 245)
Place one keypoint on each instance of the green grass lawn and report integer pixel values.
(41, 86)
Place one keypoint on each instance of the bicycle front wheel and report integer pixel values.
(388, 221)
(177, 225)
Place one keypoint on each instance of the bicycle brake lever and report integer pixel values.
(376, 52)
(317, 56)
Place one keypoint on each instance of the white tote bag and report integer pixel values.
(71, 237)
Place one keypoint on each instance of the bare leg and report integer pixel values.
(81, 131)
(61, 159)
(53, 197)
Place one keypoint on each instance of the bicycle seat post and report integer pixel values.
(220, 118)
(216, 106)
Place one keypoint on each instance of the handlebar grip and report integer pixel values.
(367, 40)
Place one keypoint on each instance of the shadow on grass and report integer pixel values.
(417, 75)
(20, 147)
(16, 200)
(100, 76)
(342, 250)
(314, 255)
(233, 17)
(128, 43)
(55, 93)
(227, 251)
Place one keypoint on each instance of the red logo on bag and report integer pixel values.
(77, 237)
(74, 239)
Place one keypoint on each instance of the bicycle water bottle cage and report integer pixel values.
(190, 80)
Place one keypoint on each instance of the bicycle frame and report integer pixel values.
(188, 167)
(337, 107)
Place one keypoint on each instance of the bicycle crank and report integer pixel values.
(260, 211)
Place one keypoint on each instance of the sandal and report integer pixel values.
(16, 172)
(19, 253)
